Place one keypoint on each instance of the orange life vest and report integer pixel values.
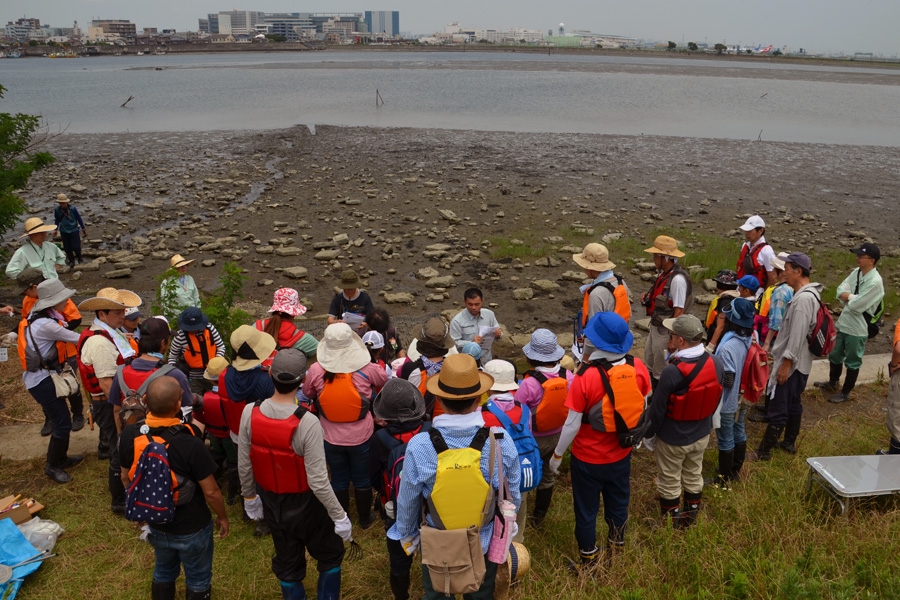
(213, 414)
(340, 401)
(288, 335)
(88, 376)
(276, 467)
(622, 395)
(551, 412)
(620, 294)
(198, 357)
(748, 264)
(698, 395)
(64, 349)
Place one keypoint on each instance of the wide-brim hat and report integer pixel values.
(214, 368)
(458, 379)
(726, 277)
(27, 278)
(341, 350)
(741, 312)
(412, 350)
(399, 401)
(250, 347)
(594, 257)
(50, 293)
(111, 299)
(666, 245)
(180, 261)
(192, 319)
(435, 332)
(287, 301)
(349, 280)
(609, 332)
(35, 225)
(543, 347)
(62, 199)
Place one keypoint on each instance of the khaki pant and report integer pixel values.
(546, 446)
(893, 406)
(679, 467)
(655, 350)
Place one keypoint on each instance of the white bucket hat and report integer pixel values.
(504, 375)
(341, 350)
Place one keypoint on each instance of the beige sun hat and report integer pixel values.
(666, 245)
(111, 299)
(594, 257)
(251, 347)
(341, 350)
(216, 365)
(180, 261)
(35, 225)
(459, 378)
(62, 199)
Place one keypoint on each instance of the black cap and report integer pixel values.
(868, 249)
(155, 328)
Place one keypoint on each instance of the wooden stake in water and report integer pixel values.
(378, 100)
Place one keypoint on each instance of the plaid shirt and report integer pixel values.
(781, 295)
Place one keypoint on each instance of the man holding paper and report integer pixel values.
(475, 324)
(351, 305)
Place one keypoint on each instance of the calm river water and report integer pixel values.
(480, 91)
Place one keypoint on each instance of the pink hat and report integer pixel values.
(287, 301)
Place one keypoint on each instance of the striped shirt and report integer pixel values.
(179, 345)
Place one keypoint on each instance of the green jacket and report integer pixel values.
(864, 299)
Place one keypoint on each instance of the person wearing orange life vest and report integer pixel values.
(680, 416)
(756, 254)
(101, 349)
(543, 390)
(284, 481)
(28, 281)
(196, 343)
(432, 344)
(45, 328)
(671, 296)
(606, 292)
(600, 466)
(341, 385)
(285, 306)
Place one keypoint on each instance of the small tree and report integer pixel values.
(672, 45)
(693, 47)
(220, 308)
(720, 48)
(164, 303)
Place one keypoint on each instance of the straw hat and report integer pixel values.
(517, 565)
(458, 379)
(287, 301)
(594, 257)
(666, 245)
(180, 261)
(35, 225)
(111, 299)
(251, 347)
(50, 293)
(214, 368)
(62, 199)
(341, 350)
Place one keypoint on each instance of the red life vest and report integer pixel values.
(231, 410)
(701, 396)
(340, 401)
(213, 415)
(88, 376)
(748, 264)
(133, 378)
(288, 335)
(198, 358)
(551, 412)
(514, 414)
(276, 467)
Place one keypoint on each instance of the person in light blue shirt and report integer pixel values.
(68, 223)
(467, 325)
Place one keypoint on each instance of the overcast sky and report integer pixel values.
(818, 25)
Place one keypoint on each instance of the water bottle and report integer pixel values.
(504, 520)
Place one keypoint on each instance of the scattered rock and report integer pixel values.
(118, 273)
(296, 272)
(290, 251)
(400, 298)
(440, 282)
(642, 324)
(327, 254)
(449, 215)
(427, 273)
(545, 285)
(523, 294)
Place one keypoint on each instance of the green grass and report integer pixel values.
(765, 539)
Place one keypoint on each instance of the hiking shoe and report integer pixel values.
(839, 397)
(47, 429)
(118, 508)
(77, 422)
(826, 386)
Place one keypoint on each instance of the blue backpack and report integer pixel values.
(529, 455)
(155, 489)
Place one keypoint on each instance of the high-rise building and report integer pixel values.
(117, 27)
(235, 22)
(292, 26)
(385, 22)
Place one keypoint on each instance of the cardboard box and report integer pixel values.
(20, 514)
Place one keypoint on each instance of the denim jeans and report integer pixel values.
(348, 463)
(732, 429)
(194, 551)
(589, 483)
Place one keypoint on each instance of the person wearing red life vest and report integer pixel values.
(210, 411)
(284, 481)
(543, 390)
(341, 385)
(196, 343)
(606, 292)
(688, 393)
(285, 306)
(756, 254)
(101, 349)
(609, 382)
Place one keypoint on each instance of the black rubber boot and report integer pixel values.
(400, 586)
(162, 591)
(740, 453)
(343, 497)
(234, 485)
(329, 587)
(691, 508)
(56, 456)
(770, 438)
(77, 404)
(834, 377)
(791, 431)
(723, 475)
(117, 492)
(893, 449)
(192, 595)
(589, 560)
(47, 429)
(364, 507)
(541, 506)
(293, 591)
(262, 529)
(69, 461)
(669, 508)
(758, 413)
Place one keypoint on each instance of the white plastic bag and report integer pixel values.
(41, 533)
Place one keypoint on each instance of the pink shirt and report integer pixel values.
(531, 393)
(347, 434)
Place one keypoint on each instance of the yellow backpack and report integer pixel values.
(461, 497)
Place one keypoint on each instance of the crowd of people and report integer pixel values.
(442, 441)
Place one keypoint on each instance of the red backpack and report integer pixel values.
(755, 374)
(823, 336)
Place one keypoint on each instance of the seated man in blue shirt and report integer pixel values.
(466, 326)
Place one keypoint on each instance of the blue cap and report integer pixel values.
(608, 331)
(750, 282)
(473, 350)
(741, 312)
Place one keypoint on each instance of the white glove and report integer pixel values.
(711, 348)
(650, 443)
(9, 340)
(344, 528)
(254, 508)
(410, 544)
(145, 532)
(554, 464)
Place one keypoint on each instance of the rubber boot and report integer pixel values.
(162, 591)
(849, 384)
(726, 464)
(117, 492)
(669, 508)
(770, 438)
(834, 376)
(343, 497)
(192, 595)
(47, 429)
(589, 560)
(55, 459)
(400, 586)
(234, 485)
(329, 587)
(791, 431)
(293, 591)
(541, 505)
(77, 404)
(691, 508)
(69, 461)
(262, 529)
(364, 507)
(740, 453)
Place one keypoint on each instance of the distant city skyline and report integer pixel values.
(819, 26)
